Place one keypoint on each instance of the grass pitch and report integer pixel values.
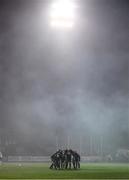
(42, 171)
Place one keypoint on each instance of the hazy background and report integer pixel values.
(64, 87)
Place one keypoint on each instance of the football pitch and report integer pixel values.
(42, 171)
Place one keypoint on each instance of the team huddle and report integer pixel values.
(65, 159)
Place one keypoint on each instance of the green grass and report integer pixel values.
(42, 171)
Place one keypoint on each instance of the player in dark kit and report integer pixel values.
(57, 160)
(53, 159)
(73, 160)
(62, 159)
(68, 158)
(77, 160)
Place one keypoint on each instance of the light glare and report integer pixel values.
(62, 14)
(62, 24)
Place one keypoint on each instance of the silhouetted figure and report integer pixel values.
(1, 157)
(54, 161)
(68, 159)
(62, 159)
(77, 160)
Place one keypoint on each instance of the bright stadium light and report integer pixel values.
(62, 14)
(63, 9)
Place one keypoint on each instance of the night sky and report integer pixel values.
(60, 83)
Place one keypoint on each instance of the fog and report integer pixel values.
(64, 88)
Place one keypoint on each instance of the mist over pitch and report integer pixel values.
(60, 84)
